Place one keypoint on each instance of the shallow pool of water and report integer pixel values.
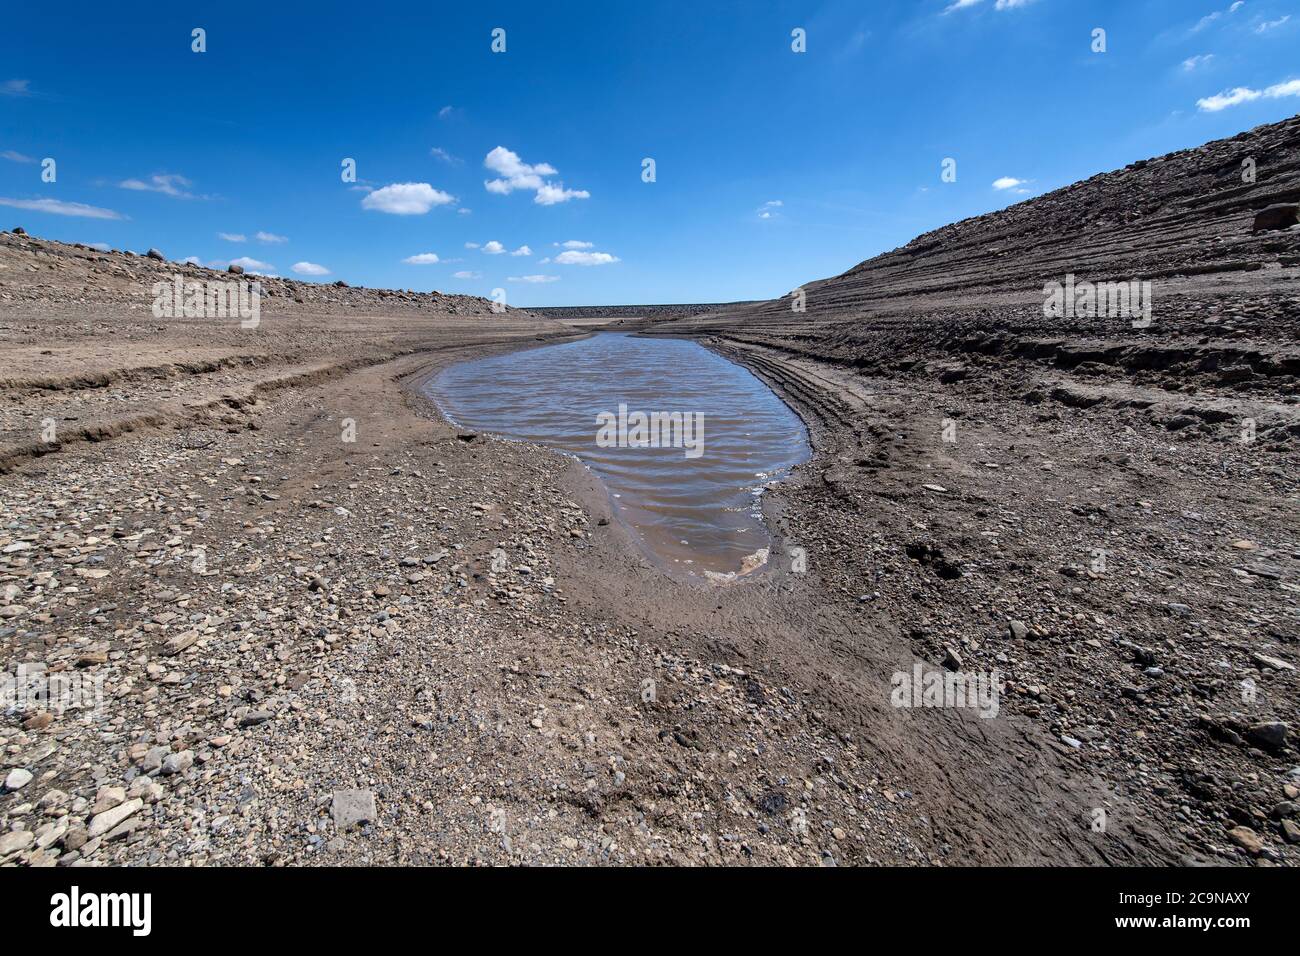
(683, 439)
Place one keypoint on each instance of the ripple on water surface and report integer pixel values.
(695, 506)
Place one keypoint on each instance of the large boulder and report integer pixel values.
(19, 231)
(155, 254)
(1278, 216)
(237, 270)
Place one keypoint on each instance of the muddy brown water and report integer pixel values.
(684, 440)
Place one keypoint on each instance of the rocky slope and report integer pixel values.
(1103, 512)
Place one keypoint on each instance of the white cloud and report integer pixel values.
(515, 174)
(466, 274)
(446, 112)
(1272, 24)
(170, 184)
(1278, 90)
(309, 269)
(60, 208)
(574, 244)
(533, 278)
(406, 199)
(1007, 182)
(16, 157)
(232, 236)
(999, 5)
(471, 245)
(493, 248)
(253, 265)
(15, 88)
(572, 257)
(550, 194)
(1192, 62)
(422, 259)
(1244, 94)
(522, 251)
(269, 237)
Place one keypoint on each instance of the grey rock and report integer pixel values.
(177, 763)
(1277, 216)
(353, 807)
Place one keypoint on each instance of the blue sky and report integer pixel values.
(772, 167)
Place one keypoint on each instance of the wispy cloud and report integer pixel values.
(999, 5)
(1244, 94)
(573, 244)
(232, 236)
(533, 278)
(60, 208)
(514, 173)
(16, 88)
(1272, 24)
(269, 237)
(1211, 18)
(422, 259)
(466, 274)
(16, 157)
(406, 199)
(309, 269)
(169, 184)
(439, 153)
(1194, 62)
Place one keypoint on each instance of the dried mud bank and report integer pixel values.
(304, 655)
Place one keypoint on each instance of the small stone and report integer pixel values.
(153, 760)
(1274, 663)
(353, 807)
(177, 763)
(17, 779)
(107, 798)
(15, 841)
(1247, 839)
(1269, 733)
(103, 822)
(38, 721)
(1291, 831)
(1019, 630)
